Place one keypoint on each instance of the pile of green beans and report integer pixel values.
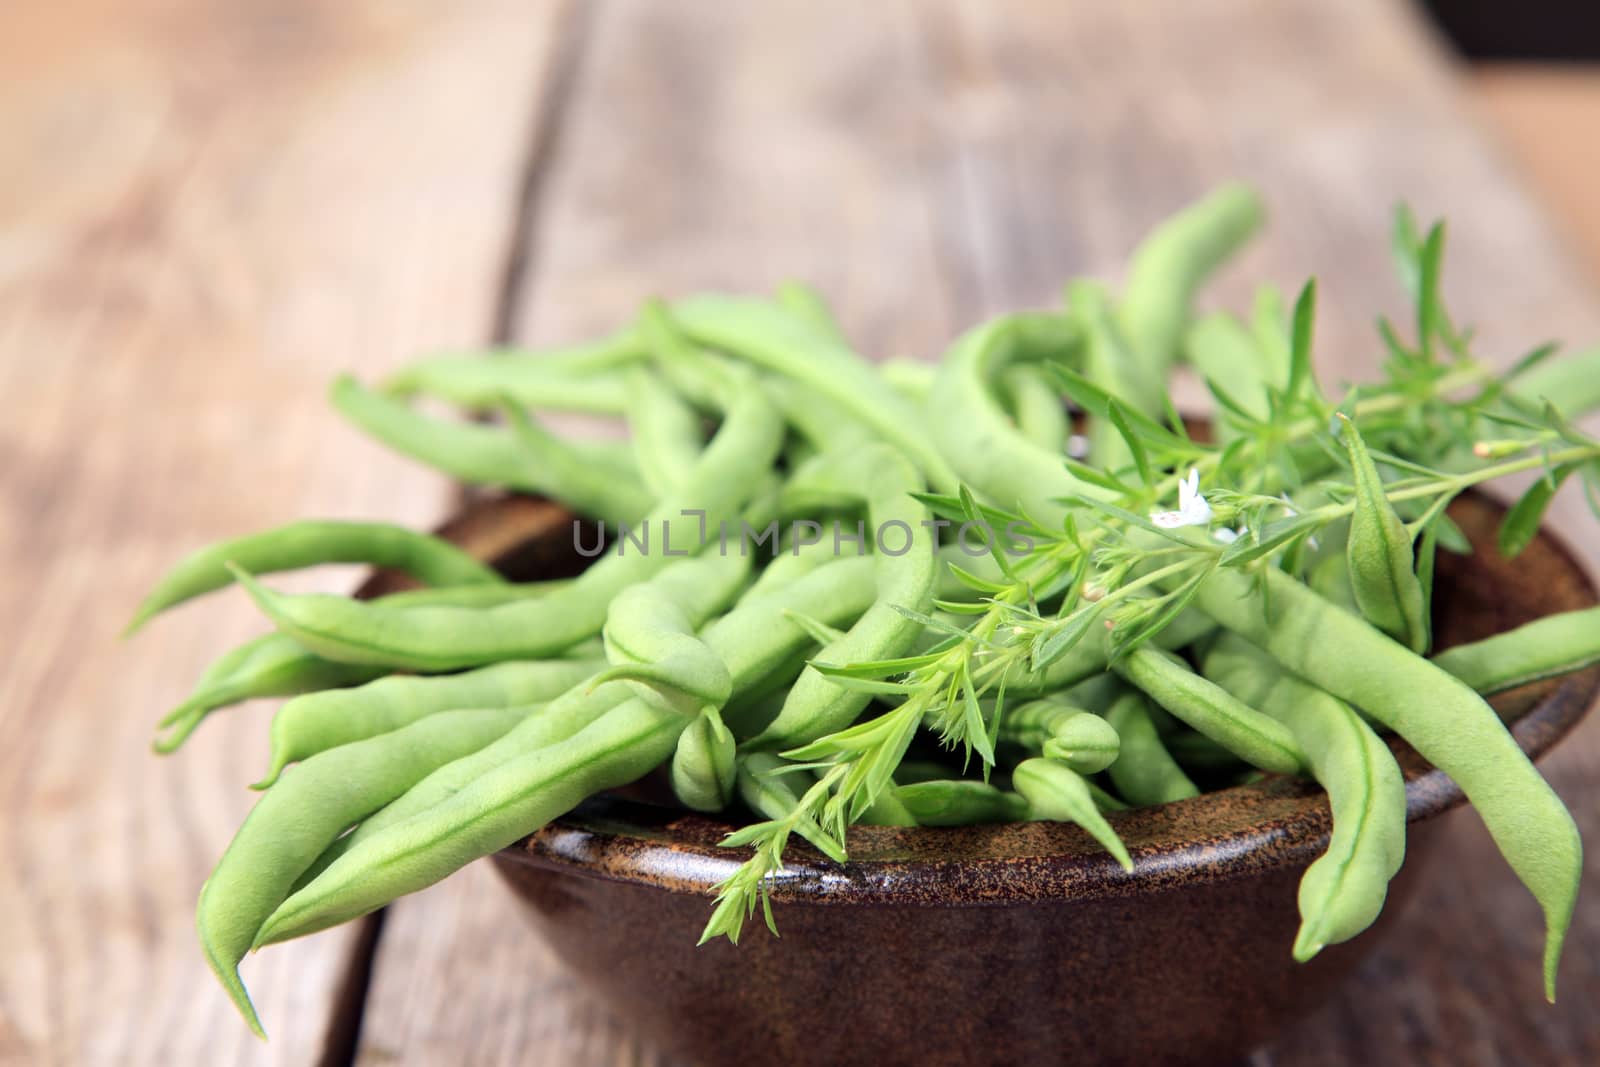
(1089, 661)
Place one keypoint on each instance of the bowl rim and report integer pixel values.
(1217, 836)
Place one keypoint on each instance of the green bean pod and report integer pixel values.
(1136, 379)
(650, 633)
(1342, 892)
(1087, 658)
(1442, 718)
(666, 431)
(1171, 263)
(1144, 771)
(959, 802)
(545, 725)
(977, 437)
(590, 477)
(309, 544)
(316, 722)
(764, 334)
(1383, 574)
(804, 302)
(1062, 731)
(911, 378)
(1571, 383)
(292, 824)
(818, 705)
(494, 810)
(1257, 739)
(1227, 355)
(1545, 648)
(577, 378)
(1056, 793)
(1036, 406)
(703, 771)
(441, 639)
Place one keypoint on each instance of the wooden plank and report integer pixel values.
(205, 211)
(1548, 118)
(942, 161)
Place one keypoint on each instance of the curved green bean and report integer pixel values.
(293, 823)
(666, 431)
(589, 477)
(1036, 406)
(1144, 771)
(1450, 725)
(1255, 738)
(1171, 263)
(959, 802)
(766, 335)
(1062, 731)
(308, 544)
(442, 639)
(1056, 793)
(492, 811)
(316, 722)
(576, 378)
(818, 705)
(1342, 892)
(1545, 648)
(703, 772)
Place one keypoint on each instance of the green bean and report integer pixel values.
(1172, 262)
(805, 303)
(767, 336)
(442, 639)
(588, 477)
(818, 705)
(309, 544)
(1056, 793)
(1554, 645)
(274, 665)
(650, 633)
(292, 824)
(1144, 771)
(763, 783)
(1226, 354)
(960, 802)
(1135, 379)
(1080, 739)
(1342, 892)
(494, 810)
(911, 378)
(886, 809)
(1087, 658)
(1198, 752)
(1450, 725)
(976, 436)
(1383, 574)
(316, 722)
(555, 721)
(579, 378)
(703, 763)
(1255, 738)
(1040, 414)
(666, 431)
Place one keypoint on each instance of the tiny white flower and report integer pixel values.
(1227, 536)
(1192, 507)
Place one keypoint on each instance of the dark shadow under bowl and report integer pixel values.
(995, 944)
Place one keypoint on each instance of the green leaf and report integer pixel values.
(1119, 419)
(973, 581)
(1428, 311)
(1268, 540)
(1301, 374)
(1097, 402)
(1095, 476)
(1521, 523)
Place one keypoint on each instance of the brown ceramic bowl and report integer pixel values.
(995, 944)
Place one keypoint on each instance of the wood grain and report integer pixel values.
(927, 164)
(204, 211)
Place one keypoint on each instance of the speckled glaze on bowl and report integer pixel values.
(996, 944)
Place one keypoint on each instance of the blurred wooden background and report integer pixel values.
(207, 210)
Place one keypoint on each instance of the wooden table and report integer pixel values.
(206, 210)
